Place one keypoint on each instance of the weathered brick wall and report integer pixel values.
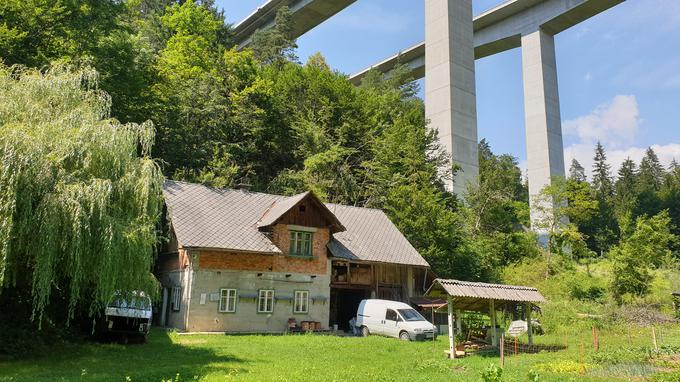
(172, 262)
(317, 265)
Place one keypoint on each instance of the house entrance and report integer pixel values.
(344, 304)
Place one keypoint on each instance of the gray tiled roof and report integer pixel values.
(371, 236)
(280, 208)
(205, 217)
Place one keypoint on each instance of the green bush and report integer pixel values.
(636, 354)
(534, 376)
(673, 376)
(564, 366)
(620, 355)
(492, 373)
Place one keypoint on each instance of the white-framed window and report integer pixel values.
(300, 243)
(301, 303)
(227, 300)
(176, 298)
(265, 301)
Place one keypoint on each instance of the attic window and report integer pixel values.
(300, 244)
(303, 208)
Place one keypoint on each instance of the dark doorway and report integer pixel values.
(344, 304)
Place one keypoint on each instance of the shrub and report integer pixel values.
(564, 366)
(492, 373)
(673, 376)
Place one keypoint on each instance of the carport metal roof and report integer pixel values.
(474, 296)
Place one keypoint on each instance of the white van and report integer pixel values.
(129, 315)
(393, 319)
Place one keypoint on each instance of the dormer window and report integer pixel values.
(300, 243)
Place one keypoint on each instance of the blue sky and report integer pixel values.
(619, 73)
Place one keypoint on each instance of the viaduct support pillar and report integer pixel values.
(545, 155)
(450, 102)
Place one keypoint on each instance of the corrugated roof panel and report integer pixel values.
(488, 291)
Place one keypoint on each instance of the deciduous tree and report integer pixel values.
(80, 196)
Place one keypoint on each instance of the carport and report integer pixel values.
(483, 298)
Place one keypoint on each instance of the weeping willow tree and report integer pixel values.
(80, 196)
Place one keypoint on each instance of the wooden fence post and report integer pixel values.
(596, 339)
(656, 346)
(502, 344)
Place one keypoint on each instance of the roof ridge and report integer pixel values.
(227, 188)
(347, 205)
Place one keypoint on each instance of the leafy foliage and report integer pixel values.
(492, 373)
(276, 44)
(645, 246)
(78, 204)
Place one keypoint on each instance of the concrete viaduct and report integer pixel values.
(453, 40)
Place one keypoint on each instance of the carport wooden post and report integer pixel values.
(452, 343)
(492, 313)
(531, 338)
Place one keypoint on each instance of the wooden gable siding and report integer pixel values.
(307, 213)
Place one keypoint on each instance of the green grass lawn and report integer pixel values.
(327, 358)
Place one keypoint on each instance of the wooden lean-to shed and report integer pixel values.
(483, 298)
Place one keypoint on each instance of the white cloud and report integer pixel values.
(616, 125)
(588, 76)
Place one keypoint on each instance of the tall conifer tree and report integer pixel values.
(606, 229)
(577, 172)
(602, 181)
(652, 172)
(626, 196)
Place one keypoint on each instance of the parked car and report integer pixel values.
(129, 315)
(393, 319)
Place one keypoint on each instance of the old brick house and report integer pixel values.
(246, 261)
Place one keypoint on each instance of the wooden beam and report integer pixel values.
(452, 341)
(375, 280)
(492, 314)
(350, 286)
(529, 331)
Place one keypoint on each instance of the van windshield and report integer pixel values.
(135, 302)
(411, 315)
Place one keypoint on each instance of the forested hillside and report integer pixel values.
(285, 124)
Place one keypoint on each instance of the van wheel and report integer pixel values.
(404, 336)
(365, 332)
